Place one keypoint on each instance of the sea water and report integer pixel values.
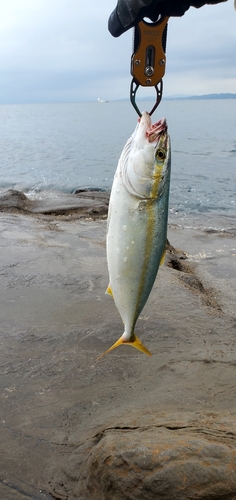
(62, 147)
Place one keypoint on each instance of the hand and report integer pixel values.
(128, 13)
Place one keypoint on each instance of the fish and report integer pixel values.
(137, 222)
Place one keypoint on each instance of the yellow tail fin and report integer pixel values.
(135, 343)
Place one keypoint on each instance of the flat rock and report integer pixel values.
(176, 458)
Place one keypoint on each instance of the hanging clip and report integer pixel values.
(148, 60)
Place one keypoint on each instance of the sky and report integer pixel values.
(61, 51)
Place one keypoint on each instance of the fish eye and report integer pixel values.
(160, 154)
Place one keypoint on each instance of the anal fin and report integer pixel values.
(109, 291)
(163, 257)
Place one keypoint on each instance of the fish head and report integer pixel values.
(146, 165)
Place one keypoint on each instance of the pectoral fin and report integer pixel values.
(135, 343)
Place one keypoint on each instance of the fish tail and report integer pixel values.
(138, 345)
(135, 343)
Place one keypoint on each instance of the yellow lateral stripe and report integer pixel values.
(150, 230)
(148, 248)
(157, 178)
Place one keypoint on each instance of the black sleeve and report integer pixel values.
(128, 13)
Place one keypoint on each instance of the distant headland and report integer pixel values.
(205, 96)
(186, 97)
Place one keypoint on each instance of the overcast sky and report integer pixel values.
(61, 51)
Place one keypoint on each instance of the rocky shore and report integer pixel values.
(126, 426)
(80, 204)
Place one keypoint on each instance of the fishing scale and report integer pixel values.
(148, 61)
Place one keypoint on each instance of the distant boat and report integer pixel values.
(101, 100)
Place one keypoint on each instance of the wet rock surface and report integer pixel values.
(13, 199)
(82, 203)
(127, 426)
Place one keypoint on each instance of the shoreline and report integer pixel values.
(93, 204)
(56, 400)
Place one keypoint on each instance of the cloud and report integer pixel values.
(61, 50)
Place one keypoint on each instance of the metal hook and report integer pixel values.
(133, 89)
(133, 94)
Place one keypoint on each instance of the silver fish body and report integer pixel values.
(137, 222)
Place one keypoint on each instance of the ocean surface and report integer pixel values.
(55, 148)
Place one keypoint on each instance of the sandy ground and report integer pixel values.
(56, 320)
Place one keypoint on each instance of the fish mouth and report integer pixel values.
(156, 130)
(147, 131)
